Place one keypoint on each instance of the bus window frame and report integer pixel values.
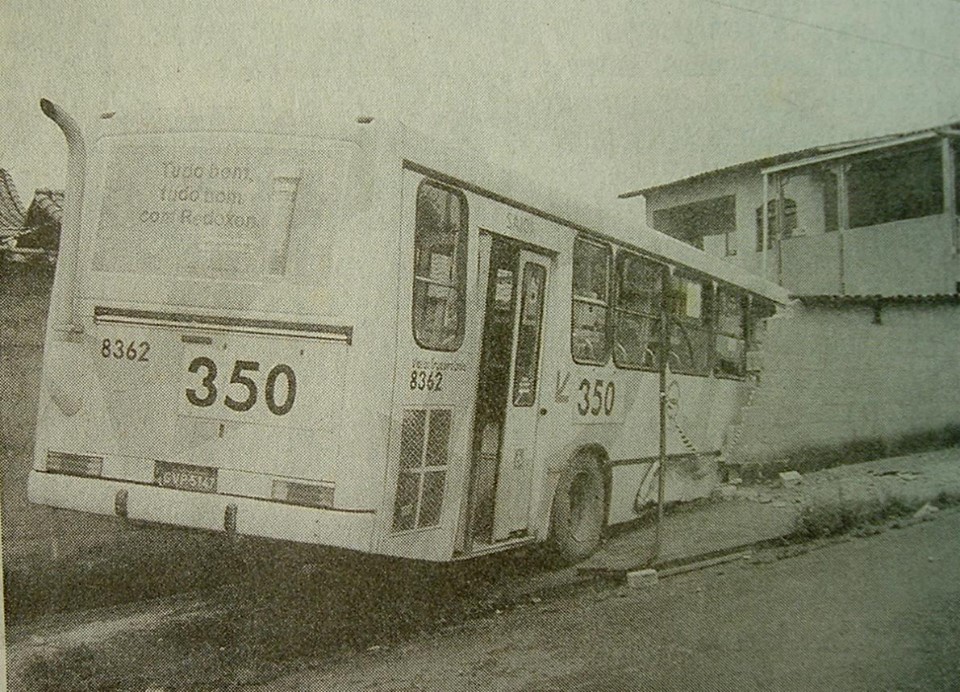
(620, 261)
(758, 309)
(707, 284)
(606, 304)
(743, 298)
(461, 248)
(535, 355)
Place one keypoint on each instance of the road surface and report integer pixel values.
(874, 613)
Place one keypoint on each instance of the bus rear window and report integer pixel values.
(440, 267)
(196, 206)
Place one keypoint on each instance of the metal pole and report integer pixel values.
(664, 352)
(764, 224)
(947, 157)
(781, 222)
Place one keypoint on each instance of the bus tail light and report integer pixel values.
(305, 494)
(74, 464)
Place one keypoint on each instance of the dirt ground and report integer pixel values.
(877, 612)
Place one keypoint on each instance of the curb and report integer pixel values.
(688, 563)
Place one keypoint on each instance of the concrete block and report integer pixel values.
(790, 479)
(725, 492)
(926, 512)
(642, 578)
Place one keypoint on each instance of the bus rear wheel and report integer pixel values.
(577, 516)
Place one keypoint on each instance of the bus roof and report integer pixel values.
(477, 175)
(455, 166)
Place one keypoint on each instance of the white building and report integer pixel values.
(867, 217)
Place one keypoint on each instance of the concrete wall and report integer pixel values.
(909, 257)
(834, 381)
(811, 264)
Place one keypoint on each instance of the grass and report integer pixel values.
(809, 458)
(827, 518)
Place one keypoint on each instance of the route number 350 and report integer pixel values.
(206, 394)
(596, 398)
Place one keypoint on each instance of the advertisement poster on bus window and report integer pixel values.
(497, 346)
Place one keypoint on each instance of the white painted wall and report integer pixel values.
(833, 377)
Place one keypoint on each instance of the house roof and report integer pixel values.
(46, 209)
(788, 157)
(12, 213)
(835, 300)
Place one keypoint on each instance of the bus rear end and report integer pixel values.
(204, 329)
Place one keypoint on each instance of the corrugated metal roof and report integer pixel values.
(12, 213)
(787, 157)
(46, 208)
(875, 300)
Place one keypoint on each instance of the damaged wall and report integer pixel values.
(837, 386)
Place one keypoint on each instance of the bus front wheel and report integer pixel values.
(577, 515)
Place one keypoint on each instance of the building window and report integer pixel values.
(440, 267)
(894, 187)
(709, 225)
(637, 331)
(730, 334)
(690, 309)
(789, 222)
(591, 281)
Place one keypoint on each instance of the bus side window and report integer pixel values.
(690, 306)
(440, 267)
(730, 336)
(760, 310)
(637, 313)
(591, 274)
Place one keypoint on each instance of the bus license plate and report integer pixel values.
(198, 479)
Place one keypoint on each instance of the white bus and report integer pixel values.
(342, 334)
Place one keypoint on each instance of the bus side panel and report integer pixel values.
(434, 393)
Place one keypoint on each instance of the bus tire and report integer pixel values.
(577, 515)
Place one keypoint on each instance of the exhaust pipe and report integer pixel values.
(61, 302)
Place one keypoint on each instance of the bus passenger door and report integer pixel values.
(507, 388)
(523, 410)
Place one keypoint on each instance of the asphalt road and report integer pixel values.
(874, 613)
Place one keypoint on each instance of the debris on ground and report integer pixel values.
(642, 578)
(726, 492)
(926, 512)
(790, 479)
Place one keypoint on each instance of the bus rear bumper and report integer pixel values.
(211, 512)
